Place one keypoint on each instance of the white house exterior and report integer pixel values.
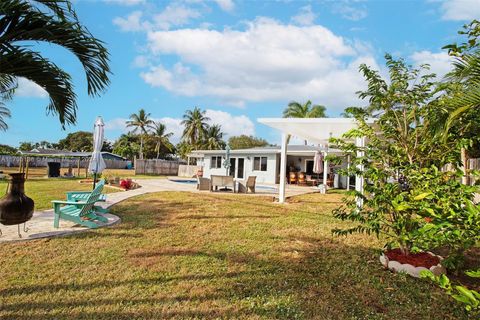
(264, 163)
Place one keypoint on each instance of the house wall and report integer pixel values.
(268, 176)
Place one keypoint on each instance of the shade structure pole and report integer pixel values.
(283, 169)
(325, 172)
(359, 180)
(348, 170)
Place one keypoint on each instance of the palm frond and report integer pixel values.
(19, 62)
(22, 22)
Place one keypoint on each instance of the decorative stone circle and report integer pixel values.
(396, 266)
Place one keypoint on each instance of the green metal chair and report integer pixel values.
(83, 195)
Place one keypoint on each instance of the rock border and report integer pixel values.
(396, 266)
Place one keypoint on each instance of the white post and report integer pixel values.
(283, 169)
(325, 172)
(348, 169)
(359, 181)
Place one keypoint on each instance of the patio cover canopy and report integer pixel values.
(315, 130)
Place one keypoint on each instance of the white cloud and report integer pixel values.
(268, 61)
(231, 125)
(132, 22)
(460, 9)
(226, 5)
(126, 2)
(305, 17)
(350, 12)
(29, 89)
(440, 63)
(175, 15)
(141, 61)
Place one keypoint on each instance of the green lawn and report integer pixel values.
(43, 191)
(190, 256)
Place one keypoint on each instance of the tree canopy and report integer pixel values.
(246, 142)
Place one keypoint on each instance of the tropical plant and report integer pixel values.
(4, 113)
(162, 138)
(6, 149)
(141, 123)
(245, 142)
(183, 149)
(469, 297)
(400, 145)
(214, 138)
(195, 127)
(466, 71)
(127, 146)
(23, 22)
(307, 110)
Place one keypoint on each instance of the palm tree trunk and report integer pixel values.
(141, 147)
(158, 150)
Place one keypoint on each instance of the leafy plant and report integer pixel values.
(401, 147)
(470, 298)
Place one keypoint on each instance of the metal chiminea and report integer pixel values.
(15, 206)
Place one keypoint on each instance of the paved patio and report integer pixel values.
(41, 224)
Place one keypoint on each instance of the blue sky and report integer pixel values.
(239, 60)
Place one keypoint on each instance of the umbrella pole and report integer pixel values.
(94, 179)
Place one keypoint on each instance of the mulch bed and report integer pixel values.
(421, 259)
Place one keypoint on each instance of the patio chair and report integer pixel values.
(311, 181)
(301, 179)
(244, 186)
(203, 184)
(83, 195)
(80, 212)
(292, 178)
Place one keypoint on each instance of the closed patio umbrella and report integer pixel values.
(226, 163)
(97, 165)
(318, 162)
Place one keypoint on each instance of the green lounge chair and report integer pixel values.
(83, 195)
(81, 212)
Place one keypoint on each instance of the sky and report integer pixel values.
(238, 60)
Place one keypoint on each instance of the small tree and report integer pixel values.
(246, 142)
(400, 145)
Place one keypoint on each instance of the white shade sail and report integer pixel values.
(97, 165)
(314, 130)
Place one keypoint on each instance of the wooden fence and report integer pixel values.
(156, 167)
(188, 171)
(15, 161)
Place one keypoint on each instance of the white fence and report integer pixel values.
(156, 167)
(188, 171)
(14, 161)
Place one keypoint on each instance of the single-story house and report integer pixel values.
(262, 162)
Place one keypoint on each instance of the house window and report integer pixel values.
(216, 163)
(260, 163)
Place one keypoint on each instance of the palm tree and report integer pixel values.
(195, 123)
(214, 138)
(23, 22)
(307, 110)
(4, 113)
(162, 139)
(140, 122)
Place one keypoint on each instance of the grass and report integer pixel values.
(203, 256)
(43, 191)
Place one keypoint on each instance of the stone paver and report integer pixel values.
(41, 224)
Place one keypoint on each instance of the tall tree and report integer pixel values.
(214, 138)
(141, 123)
(246, 142)
(306, 110)
(162, 138)
(195, 123)
(127, 145)
(26, 22)
(4, 113)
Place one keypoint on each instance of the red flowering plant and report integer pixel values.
(126, 184)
